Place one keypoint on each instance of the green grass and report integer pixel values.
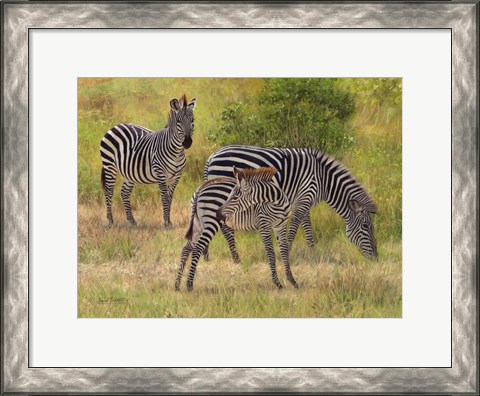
(125, 272)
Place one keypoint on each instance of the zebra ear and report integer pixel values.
(354, 205)
(235, 172)
(192, 103)
(239, 176)
(175, 105)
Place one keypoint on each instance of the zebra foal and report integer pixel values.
(307, 177)
(250, 201)
(142, 156)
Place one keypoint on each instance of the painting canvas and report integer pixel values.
(240, 198)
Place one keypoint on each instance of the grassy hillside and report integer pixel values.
(125, 272)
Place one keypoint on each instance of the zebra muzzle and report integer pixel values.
(187, 142)
(373, 255)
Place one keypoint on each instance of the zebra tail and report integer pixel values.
(189, 233)
(205, 170)
(102, 178)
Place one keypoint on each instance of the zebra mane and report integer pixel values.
(258, 174)
(184, 100)
(171, 116)
(357, 191)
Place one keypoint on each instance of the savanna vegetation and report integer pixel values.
(130, 272)
(282, 112)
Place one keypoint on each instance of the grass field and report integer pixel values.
(130, 272)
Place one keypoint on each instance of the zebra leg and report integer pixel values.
(297, 218)
(229, 235)
(127, 188)
(109, 175)
(307, 227)
(166, 202)
(187, 249)
(266, 235)
(281, 234)
(171, 190)
(202, 243)
(206, 255)
(172, 186)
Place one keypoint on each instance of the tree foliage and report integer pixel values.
(291, 112)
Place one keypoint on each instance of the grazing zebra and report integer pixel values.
(250, 201)
(307, 177)
(146, 157)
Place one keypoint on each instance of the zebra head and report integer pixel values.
(247, 192)
(184, 120)
(360, 227)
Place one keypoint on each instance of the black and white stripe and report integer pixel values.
(307, 177)
(250, 201)
(142, 156)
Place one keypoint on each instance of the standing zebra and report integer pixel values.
(146, 157)
(250, 201)
(307, 177)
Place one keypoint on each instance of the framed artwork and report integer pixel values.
(134, 133)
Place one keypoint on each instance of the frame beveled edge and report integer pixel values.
(461, 18)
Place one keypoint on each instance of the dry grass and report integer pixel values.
(130, 272)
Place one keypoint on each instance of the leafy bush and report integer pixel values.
(290, 112)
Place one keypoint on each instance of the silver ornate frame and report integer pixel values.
(463, 21)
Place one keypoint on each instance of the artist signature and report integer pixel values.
(113, 300)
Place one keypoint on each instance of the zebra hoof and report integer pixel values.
(168, 225)
(237, 260)
(279, 286)
(133, 223)
(190, 286)
(177, 286)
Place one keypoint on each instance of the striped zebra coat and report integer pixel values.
(250, 201)
(307, 177)
(142, 156)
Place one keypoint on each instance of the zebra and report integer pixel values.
(142, 156)
(249, 201)
(307, 176)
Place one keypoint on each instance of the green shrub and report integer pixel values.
(290, 112)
